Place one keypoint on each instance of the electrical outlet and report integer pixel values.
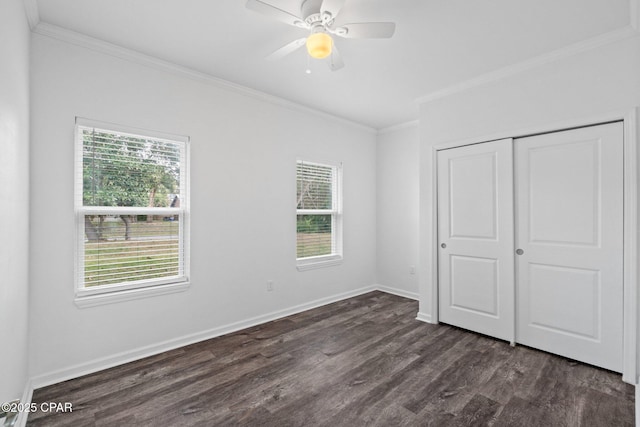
(412, 269)
(269, 285)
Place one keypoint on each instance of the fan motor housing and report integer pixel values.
(310, 8)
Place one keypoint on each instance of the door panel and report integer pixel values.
(474, 284)
(475, 223)
(569, 188)
(552, 286)
(554, 217)
(479, 196)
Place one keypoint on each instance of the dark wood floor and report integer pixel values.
(362, 361)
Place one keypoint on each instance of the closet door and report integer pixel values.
(475, 238)
(569, 190)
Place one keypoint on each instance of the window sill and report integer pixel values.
(129, 294)
(320, 262)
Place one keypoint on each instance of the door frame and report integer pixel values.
(630, 119)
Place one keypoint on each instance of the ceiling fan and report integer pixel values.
(318, 16)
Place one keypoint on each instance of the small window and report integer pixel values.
(319, 216)
(131, 209)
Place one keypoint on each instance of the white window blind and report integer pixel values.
(318, 212)
(131, 210)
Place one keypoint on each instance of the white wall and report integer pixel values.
(243, 153)
(14, 215)
(397, 209)
(581, 86)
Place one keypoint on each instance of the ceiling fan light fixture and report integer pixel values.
(319, 45)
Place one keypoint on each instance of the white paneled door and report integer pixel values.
(569, 210)
(476, 237)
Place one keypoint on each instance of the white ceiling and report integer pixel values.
(438, 43)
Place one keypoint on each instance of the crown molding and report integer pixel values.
(399, 127)
(72, 37)
(538, 61)
(33, 15)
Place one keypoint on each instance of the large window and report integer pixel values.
(131, 209)
(319, 216)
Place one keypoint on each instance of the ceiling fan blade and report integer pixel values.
(287, 49)
(335, 60)
(332, 6)
(274, 12)
(366, 30)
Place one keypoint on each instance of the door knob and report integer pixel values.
(443, 246)
(519, 251)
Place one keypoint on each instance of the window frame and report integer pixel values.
(103, 294)
(336, 212)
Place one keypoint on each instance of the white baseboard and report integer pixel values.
(424, 317)
(396, 291)
(150, 350)
(21, 421)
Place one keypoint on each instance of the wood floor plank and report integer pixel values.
(519, 412)
(148, 380)
(382, 415)
(602, 409)
(517, 375)
(480, 411)
(170, 401)
(364, 361)
(294, 383)
(402, 381)
(455, 385)
(336, 392)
